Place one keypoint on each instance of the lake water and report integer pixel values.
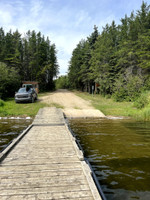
(119, 153)
(10, 129)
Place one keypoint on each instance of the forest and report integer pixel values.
(117, 59)
(30, 57)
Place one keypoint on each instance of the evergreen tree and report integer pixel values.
(118, 59)
(33, 57)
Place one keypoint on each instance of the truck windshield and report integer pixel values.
(22, 90)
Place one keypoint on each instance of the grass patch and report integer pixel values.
(109, 107)
(11, 108)
(42, 94)
(56, 105)
(77, 108)
(143, 114)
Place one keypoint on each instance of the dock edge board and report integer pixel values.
(13, 143)
(87, 169)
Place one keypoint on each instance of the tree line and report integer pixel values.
(31, 57)
(117, 59)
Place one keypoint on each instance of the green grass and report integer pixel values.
(43, 94)
(143, 114)
(11, 108)
(56, 105)
(110, 107)
(107, 106)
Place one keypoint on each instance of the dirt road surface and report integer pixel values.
(73, 106)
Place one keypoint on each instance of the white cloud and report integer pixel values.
(6, 13)
(64, 65)
(82, 17)
(65, 45)
(5, 17)
(36, 7)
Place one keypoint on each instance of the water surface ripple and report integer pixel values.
(119, 152)
(10, 129)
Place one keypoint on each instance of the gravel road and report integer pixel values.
(73, 106)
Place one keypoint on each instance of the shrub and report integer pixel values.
(143, 114)
(120, 95)
(9, 81)
(127, 88)
(2, 103)
(62, 82)
(146, 114)
(143, 100)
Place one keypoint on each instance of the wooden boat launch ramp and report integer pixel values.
(44, 162)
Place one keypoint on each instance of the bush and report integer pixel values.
(9, 81)
(120, 95)
(127, 88)
(62, 82)
(2, 103)
(143, 114)
(143, 100)
(146, 114)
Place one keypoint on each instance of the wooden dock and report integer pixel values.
(44, 162)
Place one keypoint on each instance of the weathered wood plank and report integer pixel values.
(46, 164)
(29, 168)
(40, 190)
(20, 160)
(52, 196)
(41, 174)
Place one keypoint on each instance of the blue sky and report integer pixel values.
(65, 22)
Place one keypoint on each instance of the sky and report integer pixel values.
(65, 22)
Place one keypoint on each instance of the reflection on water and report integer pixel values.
(10, 129)
(119, 152)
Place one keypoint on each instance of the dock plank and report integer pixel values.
(46, 164)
